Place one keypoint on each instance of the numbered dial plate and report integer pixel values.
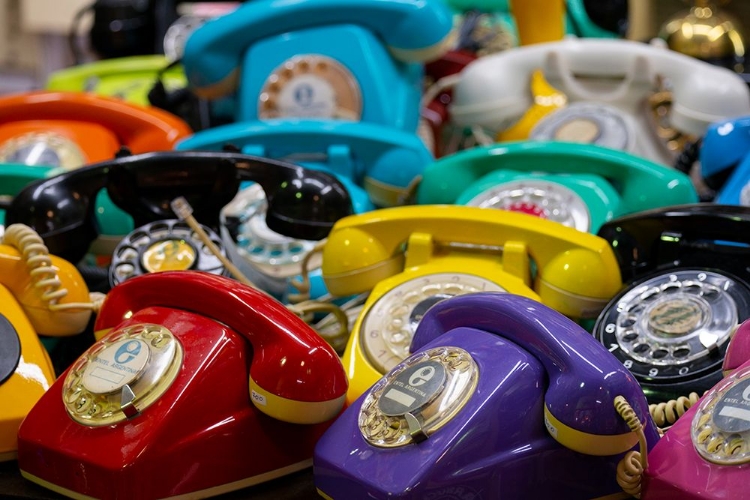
(311, 86)
(122, 374)
(271, 253)
(418, 397)
(168, 245)
(588, 123)
(720, 430)
(672, 325)
(544, 199)
(389, 325)
(42, 149)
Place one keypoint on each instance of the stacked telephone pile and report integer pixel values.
(426, 249)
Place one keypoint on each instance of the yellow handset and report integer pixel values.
(50, 290)
(411, 257)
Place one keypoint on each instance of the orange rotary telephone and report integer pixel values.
(160, 406)
(70, 129)
(39, 294)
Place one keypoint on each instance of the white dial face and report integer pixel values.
(389, 325)
(311, 86)
(589, 123)
(133, 365)
(545, 199)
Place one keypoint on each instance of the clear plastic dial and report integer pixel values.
(389, 325)
(42, 149)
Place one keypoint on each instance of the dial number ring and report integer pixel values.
(389, 325)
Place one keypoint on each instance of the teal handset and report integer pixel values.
(579, 185)
(320, 58)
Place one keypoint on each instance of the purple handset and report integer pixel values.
(502, 394)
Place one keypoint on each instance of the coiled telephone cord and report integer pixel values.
(304, 308)
(630, 468)
(44, 275)
(666, 414)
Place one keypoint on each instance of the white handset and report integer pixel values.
(493, 92)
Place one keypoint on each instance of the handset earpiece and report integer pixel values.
(584, 378)
(294, 375)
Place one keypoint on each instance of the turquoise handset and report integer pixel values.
(321, 58)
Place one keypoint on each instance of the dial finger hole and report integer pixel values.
(124, 271)
(628, 321)
(139, 239)
(681, 352)
(660, 354)
(641, 348)
(629, 336)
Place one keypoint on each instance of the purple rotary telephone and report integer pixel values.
(502, 394)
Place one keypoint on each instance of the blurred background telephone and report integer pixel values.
(71, 129)
(687, 288)
(578, 185)
(603, 91)
(724, 156)
(148, 388)
(501, 394)
(411, 257)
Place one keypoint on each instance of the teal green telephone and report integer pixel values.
(579, 185)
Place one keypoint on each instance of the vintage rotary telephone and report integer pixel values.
(40, 294)
(724, 156)
(320, 58)
(301, 203)
(148, 389)
(71, 129)
(710, 438)
(376, 164)
(688, 287)
(411, 257)
(604, 87)
(502, 396)
(129, 78)
(579, 185)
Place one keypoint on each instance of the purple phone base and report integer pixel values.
(497, 443)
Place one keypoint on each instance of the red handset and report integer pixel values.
(167, 385)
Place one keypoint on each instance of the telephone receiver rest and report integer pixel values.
(383, 159)
(491, 94)
(291, 362)
(637, 238)
(302, 203)
(584, 378)
(413, 30)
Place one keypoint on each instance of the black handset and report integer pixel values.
(302, 203)
(688, 287)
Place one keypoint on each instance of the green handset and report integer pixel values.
(129, 78)
(579, 185)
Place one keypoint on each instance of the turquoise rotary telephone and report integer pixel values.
(320, 58)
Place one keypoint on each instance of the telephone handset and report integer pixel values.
(302, 203)
(710, 438)
(687, 288)
(71, 129)
(607, 84)
(148, 389)
(497, 382)
(13, 178)
(305, 58)
(128, 78)
(411, 257)
(724, 156)
(578, 185)
(40, 294)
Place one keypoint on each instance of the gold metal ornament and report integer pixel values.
(706, 33)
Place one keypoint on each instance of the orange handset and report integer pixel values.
(70, 129)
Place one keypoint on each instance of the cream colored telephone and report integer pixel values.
(603, 90)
